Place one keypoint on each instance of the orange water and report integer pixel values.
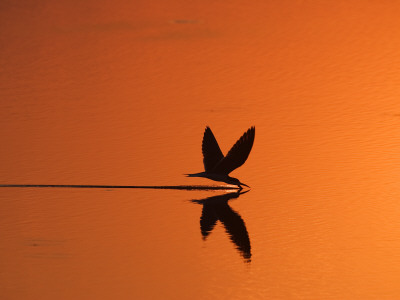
(119, 93)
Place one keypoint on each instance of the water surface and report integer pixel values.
(119, 93)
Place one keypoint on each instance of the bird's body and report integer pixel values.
(217, 166)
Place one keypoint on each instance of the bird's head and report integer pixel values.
(235, 181)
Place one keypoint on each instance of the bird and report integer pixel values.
(217, 166)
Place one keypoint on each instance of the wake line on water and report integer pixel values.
(164, 187)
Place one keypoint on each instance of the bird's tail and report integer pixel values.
(195, 175)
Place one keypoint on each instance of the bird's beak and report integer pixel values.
(244, 184)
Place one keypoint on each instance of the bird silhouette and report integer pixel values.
(217, 166)
(217, 208)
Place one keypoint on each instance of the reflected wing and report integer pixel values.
(209, 216)
(211, 152)
(208, 220)
(236, 229)
(238, 153)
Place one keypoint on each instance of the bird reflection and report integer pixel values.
(217, 208)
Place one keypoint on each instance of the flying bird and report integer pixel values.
(217, 166)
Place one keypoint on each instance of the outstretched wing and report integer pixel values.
(238, 153)
(211, 152)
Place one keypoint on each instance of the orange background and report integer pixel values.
(119, 93)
